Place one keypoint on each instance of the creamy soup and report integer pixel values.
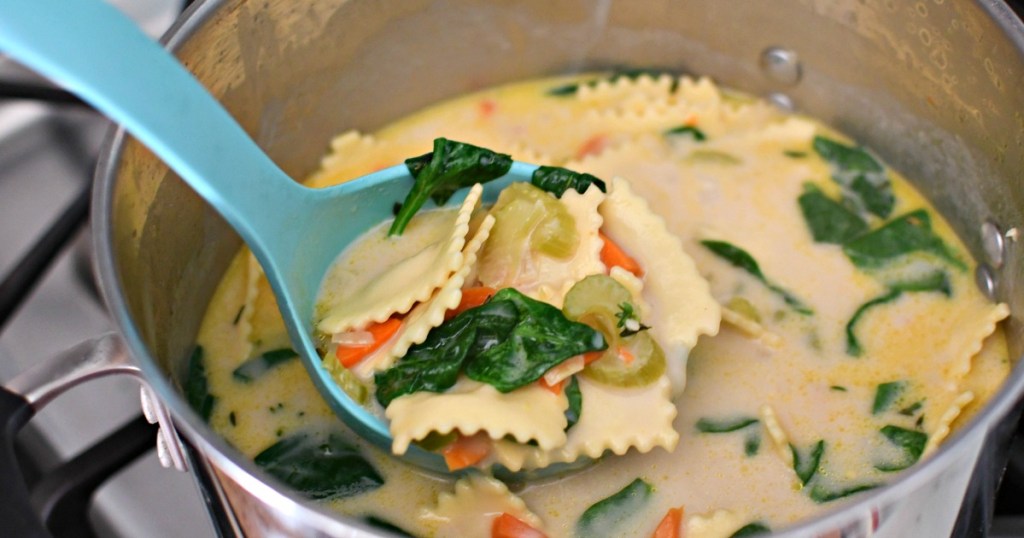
(786, 323)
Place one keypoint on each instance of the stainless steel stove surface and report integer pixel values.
(47, 154)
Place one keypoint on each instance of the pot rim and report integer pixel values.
(298, 511)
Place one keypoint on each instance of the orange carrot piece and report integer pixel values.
(471, 298)
(555, 389)
(613, 256)
(349, 356)
(466, 451)
(626, 355)
(509, 526)
(592, 146)
(592, 356)
(670, 524)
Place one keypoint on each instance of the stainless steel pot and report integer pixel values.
(935, 86)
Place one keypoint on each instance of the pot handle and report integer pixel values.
(33, 389)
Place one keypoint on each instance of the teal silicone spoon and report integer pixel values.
(295, 232)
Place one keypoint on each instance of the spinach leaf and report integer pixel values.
(508, 342)
(321, 467)
(794, 154)
(751, 529)
(575, 397)
(912, 409)
(938, 282)
(450, 167)
(743, 260)
(709, 425)
(912, 442)
(694, 132)
(829, 220)
(606, 517)
(434, 364)
(557, 180)
(752, 444)
(806, 463)
(886, 395)
(255, 367)
(628, 320)
(904, 235)
(822, 494)
(197, 391)
(541, 338)
(862, 177)
(630, 73)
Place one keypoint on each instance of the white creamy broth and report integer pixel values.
(784, 365)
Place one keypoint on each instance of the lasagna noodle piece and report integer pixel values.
(355, 155)
(261, 319)
(530, 413)
(681, 301)
(470, 510)
(946, 421)
(612, 418)
(548, 279)
(417, 324)
(373, 292)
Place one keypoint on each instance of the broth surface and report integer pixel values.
(924, 354)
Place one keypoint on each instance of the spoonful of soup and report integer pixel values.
(295, 232)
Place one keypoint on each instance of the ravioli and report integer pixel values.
(471, 508)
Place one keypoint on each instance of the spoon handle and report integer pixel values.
(96, 52)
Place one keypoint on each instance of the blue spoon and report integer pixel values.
(295, 232)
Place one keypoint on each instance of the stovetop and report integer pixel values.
(47, 154)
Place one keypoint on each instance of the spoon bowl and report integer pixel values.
(294, 231)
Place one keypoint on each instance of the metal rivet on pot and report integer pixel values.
(781, 100)
(993, 243)
(148, 409)
(781, 65)
(985, 278)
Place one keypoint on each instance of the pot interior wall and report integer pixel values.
(932, 86)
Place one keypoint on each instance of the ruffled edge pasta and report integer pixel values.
(471, 508)
(945, 423)
(427, 314)
(530, 413)
(387, 294)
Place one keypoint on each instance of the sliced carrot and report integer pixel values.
(669, 526)
(471, 298)
(592, 146)
(466, 451)
(626, 355)
(349, 356)
(555, 389)
(613, 256)
(509, 526)
(592, 356)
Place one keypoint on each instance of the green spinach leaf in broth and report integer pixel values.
(690, 130)
(935, 282)
(724, 425)
(751, 529)
(886, 395)
(911, 442)
(607, 517)
(575, 397)
(821, 493)
(257, 366)
(861, 175)
(807, 462)
(542, 338)
(451, 166)
(197, 390)
(829, 220)
(907, 234)
(434, 364)
(743, 260)
(557, 180)
(319, 466)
